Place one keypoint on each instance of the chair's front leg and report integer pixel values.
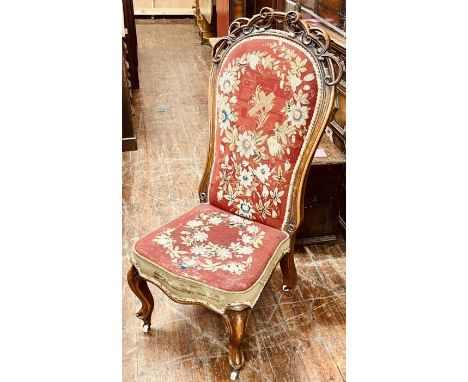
(140, 287)
(236, 321)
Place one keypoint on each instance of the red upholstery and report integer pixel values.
(211, 246)
(266, 96)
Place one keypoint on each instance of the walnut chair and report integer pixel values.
(271, 96)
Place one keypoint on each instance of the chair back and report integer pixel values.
(271, 95)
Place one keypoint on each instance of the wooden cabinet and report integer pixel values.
(129, 141)
(226, 12)
(332, 11)
(213, 17)
(130, 78)
(254, 6)
(205, 19)
(325, 195)
(163, 7)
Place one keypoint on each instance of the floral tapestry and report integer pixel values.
(265, 99)
(212, 246)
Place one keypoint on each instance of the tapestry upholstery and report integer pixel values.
(266, 93)
(215, 248)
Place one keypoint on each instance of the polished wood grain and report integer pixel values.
(294, 336)
(288, 267)
(236, 321)
(139, 286)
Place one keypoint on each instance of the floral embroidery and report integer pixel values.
(201, 253)
(265, 99)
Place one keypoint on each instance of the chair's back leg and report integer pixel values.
(288, 268)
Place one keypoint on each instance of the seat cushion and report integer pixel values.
(213, 247)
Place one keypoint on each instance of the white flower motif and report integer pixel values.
(276, 196)
(200, 236)
(228, 82)
(163, 239)
(215, 220)
(193, 251)
(262, 172)
(245, 145)
(235, 220)
(226, 116)
(289, 54)
(245, 209)
(257, 241)
(235, 246)
(246, 239)
(175, 252)
(246, 178)
(231, 196)
(297, 115)
(223, 253)
(192, 224)
(252, 229)
(274, 147)
(294, 81)
(253, 59)
(246, 250)
(198, 250)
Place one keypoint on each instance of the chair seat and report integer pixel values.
(212, 247)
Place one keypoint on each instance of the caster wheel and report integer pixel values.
(286, 288)
(146, 328)
(234, 375)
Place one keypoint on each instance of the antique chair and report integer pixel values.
(271, 96)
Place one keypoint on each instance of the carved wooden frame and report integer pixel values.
(235, 307)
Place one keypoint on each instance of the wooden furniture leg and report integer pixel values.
(236, 321)
(288, 268)
(140, 287)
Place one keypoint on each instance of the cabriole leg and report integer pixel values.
(288, 268)
(236, 321)
(140, 287)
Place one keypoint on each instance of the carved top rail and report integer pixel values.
(315, 39)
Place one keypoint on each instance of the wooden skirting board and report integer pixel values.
(164, 11)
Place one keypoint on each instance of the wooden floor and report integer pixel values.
(295, 336)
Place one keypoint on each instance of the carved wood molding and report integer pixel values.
(315, 39)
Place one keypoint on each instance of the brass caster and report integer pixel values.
(234, 375)
(146, 328)
(286, 288)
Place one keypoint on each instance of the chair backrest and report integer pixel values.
(271, 94)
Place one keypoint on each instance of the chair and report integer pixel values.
(271, 96)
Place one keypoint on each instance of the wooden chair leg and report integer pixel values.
(140, 287)
(236, 321)
(288, 268)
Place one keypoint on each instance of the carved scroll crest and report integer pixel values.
(315, 39)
